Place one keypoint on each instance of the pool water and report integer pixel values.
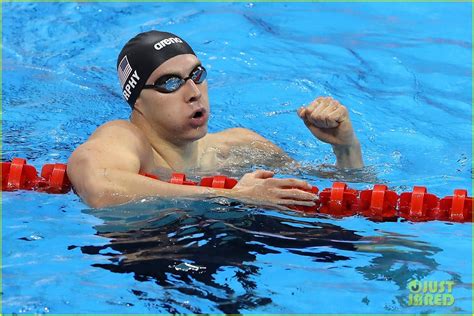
(403, 70)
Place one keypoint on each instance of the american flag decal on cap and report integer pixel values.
(124, 70)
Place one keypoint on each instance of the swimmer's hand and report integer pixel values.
(260, 188)
(329, 121)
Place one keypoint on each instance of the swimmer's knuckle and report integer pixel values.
(311, 196)
(300, 193)
(270, 181)
(294, 181)
(295, 192)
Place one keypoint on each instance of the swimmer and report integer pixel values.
(165, 85)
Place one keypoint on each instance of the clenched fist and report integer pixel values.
(329, 121)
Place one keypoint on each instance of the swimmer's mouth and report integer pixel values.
(198, 114)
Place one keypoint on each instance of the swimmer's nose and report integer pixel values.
(194, 93)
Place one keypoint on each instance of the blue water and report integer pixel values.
(404, 72)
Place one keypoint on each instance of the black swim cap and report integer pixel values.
(142, 55)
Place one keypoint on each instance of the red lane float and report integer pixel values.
(418, 205)
(18, 175)
(378, 204)
(339, 200)
(218, 182)
(456, 208)
(54, 179)
(180, 178)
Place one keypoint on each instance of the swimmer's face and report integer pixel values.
(182, 115)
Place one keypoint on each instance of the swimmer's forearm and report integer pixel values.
(113, 187)
(349, 157)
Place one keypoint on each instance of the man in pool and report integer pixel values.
(165, 85)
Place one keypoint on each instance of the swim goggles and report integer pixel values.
(171, 83)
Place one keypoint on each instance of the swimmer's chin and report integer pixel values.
(201, 129)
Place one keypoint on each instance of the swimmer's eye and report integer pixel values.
(199, 74)
(171, 83)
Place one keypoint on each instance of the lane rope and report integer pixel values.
(377, 204)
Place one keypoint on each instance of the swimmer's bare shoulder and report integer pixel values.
(118, 145)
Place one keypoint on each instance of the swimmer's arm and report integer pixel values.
(109, 187)
(277, 160)
(101, 186)
(329, 121)
(347, 157)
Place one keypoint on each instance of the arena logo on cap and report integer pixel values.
(167, 41)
